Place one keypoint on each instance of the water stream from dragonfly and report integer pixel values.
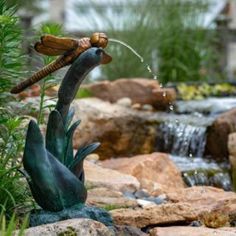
(136, 54)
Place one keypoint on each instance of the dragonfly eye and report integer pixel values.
(99, 40)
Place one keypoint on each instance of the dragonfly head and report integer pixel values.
(99, 40)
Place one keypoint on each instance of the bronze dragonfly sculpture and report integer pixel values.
(68, 49)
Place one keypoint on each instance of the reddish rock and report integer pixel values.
(160, 214)
(155, 172)
(140, 91)
(120, 130)
(217, 134)
(97, 176)
(192, 231)
(163, 98)
(108, 198)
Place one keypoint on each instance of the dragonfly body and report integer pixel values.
(68, 49)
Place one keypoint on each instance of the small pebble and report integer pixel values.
(126, 102)
(147, 107)
(141, 194)
(129, 195)
(144, 203)
(196, 223)
(156, 200)
(136, 106)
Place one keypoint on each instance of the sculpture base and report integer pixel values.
(39, 217)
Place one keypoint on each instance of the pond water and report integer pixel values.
(182, 133)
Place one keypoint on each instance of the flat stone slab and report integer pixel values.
(192, 231)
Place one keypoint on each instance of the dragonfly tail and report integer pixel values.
(48, 69)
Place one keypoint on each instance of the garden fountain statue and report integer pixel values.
(54, 174)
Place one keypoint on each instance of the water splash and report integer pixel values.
(135, 53)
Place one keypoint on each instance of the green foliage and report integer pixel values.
(84, 93)
(28, 6)
(13, 193)
(50, 80)
(8, 228)
(166, 33)
(198, 92)
(11, 58)
(111, 207)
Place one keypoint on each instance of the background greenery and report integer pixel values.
(168, 34)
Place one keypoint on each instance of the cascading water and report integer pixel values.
(184, 137)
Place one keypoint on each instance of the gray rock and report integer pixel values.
(129, 195)
(156, 200)
(141, 194)
(125, 230)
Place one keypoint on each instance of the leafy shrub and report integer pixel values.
(13, 192)
(11, 58)
(198, 92)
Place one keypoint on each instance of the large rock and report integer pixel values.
(192, 231)
(109, 199)
(185, 205)
(70, 227)
(142, 91)
(120, 130)
(155, 172)
(217, 135)
(97, 176)
(170, 213)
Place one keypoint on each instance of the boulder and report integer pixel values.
(192, 231)
(208, 204)
(97, 176)
(141, 91)
(217, 135)
(155, 172)
(120, 130)
(70, 227)
(109, 199)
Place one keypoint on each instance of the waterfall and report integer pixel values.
(185, 140)
(181, 139)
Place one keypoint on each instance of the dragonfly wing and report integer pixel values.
(39, 47)
(61, 43)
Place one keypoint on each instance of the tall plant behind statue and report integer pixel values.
(50, 80)
(11, 57)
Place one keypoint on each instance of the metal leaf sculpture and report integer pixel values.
(55, 175)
